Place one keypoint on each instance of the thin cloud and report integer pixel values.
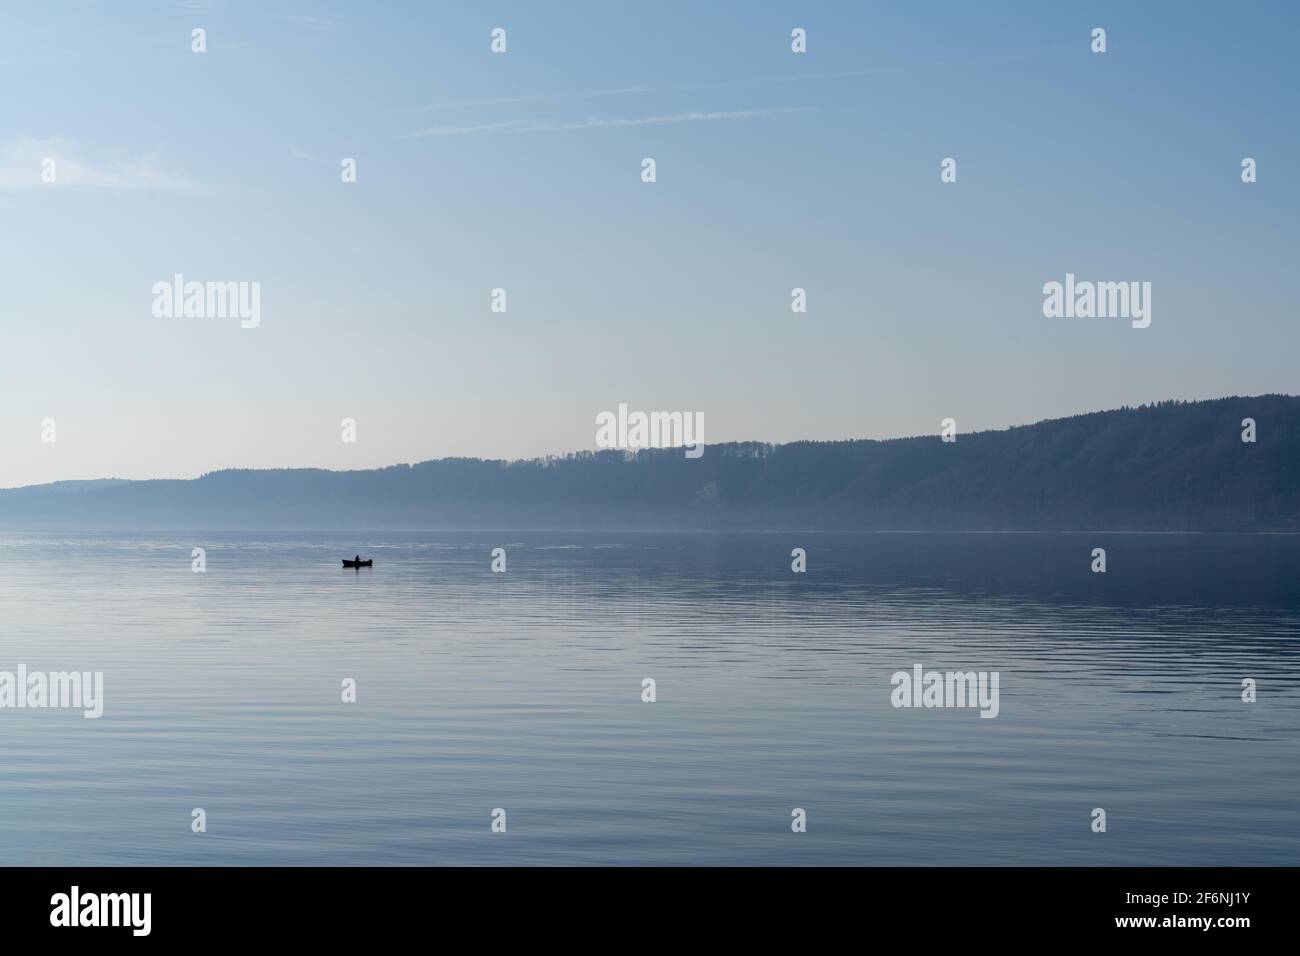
(948, 63)
(632, 91)
(560, 126)
(532, 98)
(22, 163)
(297, 153)
(308, 22)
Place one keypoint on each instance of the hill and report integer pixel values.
(1172, 466)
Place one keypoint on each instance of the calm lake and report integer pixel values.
(523, 691)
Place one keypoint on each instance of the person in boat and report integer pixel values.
(357, 559)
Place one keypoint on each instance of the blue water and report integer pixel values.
(522, 691)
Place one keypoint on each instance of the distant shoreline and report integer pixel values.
(1165, 468)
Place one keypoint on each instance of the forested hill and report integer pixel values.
(1172, 466)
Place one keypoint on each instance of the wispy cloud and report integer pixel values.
(981, 60)
(297, 153)
(528, 98)
(634, 90)
(559, 126)
(23, 161)
(308, 22)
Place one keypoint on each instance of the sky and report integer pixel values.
(522, 171)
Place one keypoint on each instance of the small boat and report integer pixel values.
(358, 564)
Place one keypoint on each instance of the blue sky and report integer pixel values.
(522, 171)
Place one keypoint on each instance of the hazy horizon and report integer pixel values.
(561, 452)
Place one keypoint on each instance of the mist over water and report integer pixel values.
(523, 691)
